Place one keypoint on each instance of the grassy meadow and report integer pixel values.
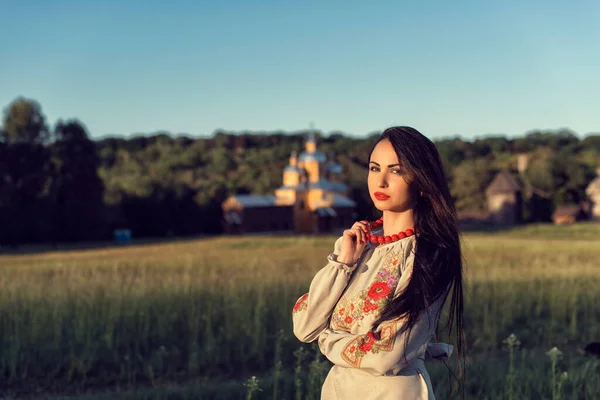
(211, 318)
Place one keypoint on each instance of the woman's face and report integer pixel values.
(389, 184)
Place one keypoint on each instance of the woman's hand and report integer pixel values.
(354, 241)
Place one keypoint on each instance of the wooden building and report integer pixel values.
(312, 199)
(256, 213)
(504, 198)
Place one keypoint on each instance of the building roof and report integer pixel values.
(292, 168)
(321, 184)
(337, 186)
(503, 183)
(327, 185)
(255, 200)
(313, 156)
(325, 212)
(339, 201)
(333, 167)
(300, 186)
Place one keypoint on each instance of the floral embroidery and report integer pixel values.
(344, 316)
(379, 290)
(301, 304)
(368, 307)
(359, 347)
(367, 342)
(389, 276)
(368, 302)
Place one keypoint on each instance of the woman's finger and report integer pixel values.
(363, 226)
(363, 234)
(349, 233)
(368, 231)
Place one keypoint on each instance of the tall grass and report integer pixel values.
(210, 314)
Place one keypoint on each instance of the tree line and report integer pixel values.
(59, 185)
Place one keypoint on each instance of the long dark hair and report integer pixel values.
(438, 259)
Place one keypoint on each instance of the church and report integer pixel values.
(312, 199)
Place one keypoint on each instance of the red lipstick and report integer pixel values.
(381, 196)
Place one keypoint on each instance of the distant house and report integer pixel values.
(593, 193)
(504, 198)
(568, 214)
(256, 213)
(312, 199)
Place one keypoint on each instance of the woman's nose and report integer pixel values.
(382, 183)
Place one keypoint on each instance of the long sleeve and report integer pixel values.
(312, 311)
(382, 351)
(387, 348)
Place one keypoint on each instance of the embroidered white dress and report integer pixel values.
(370, 363)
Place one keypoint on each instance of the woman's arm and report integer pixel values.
(381, 351)
(312, 311)
(388, 347)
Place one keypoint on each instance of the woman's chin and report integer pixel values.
(383, 207)
(379, 206)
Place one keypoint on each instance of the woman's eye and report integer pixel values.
(396, 171)
(374, 169)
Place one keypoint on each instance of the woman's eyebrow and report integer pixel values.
(389, 166)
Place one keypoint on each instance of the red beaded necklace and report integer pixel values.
(389, 239)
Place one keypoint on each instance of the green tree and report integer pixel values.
(453, 151)
(24, 122)
(26, 169)
(77, 190)
(470, 179)
(570, 178)
(592, 141)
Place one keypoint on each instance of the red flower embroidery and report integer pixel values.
(300, 301)
(369, 306)
(373, 342)
(348, 319)
(379, 290)
(352, 307)
(342, 311)
(367, 343)
(395, 262)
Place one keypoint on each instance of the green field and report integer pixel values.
(198, 318)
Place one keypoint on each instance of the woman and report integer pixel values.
(375, 307)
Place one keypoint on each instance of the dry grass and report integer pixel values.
(166, 312)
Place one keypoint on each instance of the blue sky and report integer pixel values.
(468, 68)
